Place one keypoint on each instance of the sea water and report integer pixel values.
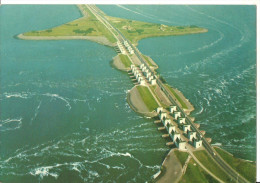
(64, 115)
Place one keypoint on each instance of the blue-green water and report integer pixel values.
(64, 115)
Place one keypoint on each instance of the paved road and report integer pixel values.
(231, 172)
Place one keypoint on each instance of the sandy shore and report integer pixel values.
(135, 101)
(99, 39)
(173, 169)
(118, 64)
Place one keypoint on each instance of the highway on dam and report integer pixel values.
(119, 36)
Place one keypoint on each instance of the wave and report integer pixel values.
(23, 95)
(10, 124)
(59, 97)
(142, 14)
(43, 171)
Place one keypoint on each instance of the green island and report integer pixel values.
(146, 99)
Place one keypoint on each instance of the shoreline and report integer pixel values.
(98, 39)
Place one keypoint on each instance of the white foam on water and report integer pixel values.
(59, 97)
(23, 95)
(4, 124)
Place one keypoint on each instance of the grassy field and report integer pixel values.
(245, 168)
(184, 106)
(85, 26)
(182, 156)
(88, 25)
(204, 158)
(194, 173)
(147, 98)
(136, 30)
(125, 60)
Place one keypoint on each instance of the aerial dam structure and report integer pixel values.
(181, 129)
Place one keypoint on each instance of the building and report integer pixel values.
(163, 115)
(180, 144)
(191, 135)
(176, 136)
(150, 78)
(132, 66)
(121, 48)
(139, 79)
(181, 120)
(153, 82)
(176, 115)
(197, 143)
(142, 82)
(147, 74)
(172, 129)
(137, 76)
(173, 109)
(186, 128)
(141, 66)
(166, 121)
(159, 109)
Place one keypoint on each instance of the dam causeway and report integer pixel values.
(171, 121)
(180, 127)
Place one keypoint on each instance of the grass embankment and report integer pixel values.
(147, 97)
(125, 60)
(184, 106)
(194, 173)
(148, 61)
(209, 163)
(182, 156)
(245, 168)
(85, 26)
(136, 30)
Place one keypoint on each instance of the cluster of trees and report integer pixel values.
(139, 31)
(88, 31)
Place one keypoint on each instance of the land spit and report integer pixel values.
(98, 39)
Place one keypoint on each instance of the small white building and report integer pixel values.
(186, 128)
(181, 120)
(139, 79)
(153, 82)
(197, 143)
(166, 121)
(142, 82)
(163, 115)
(176, 136)
(143, 69)
(136, 71)
(126, 44)
(159, 109)
(150, 78)
(176, 115)
(132, 66)
(191, 135)
(133, 69)
(173, 109)
(172, 129)
(137, 76)
(181, 145)
(147, 74)
(141, 66)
